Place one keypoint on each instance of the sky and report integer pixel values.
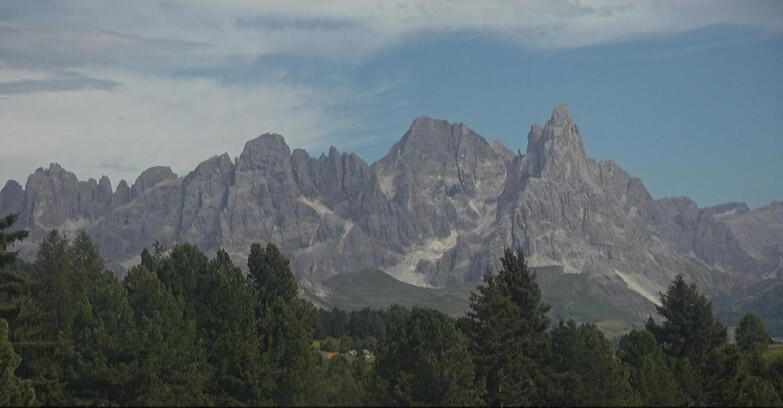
(687, 96)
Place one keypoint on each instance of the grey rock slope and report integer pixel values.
(436, 211)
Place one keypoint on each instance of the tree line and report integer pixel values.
(184, 329)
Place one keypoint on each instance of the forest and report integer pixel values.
(183, 329)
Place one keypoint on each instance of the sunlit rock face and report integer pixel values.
(437, 210)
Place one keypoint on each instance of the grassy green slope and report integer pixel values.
(375, 289)
(767, 304)
(570, 295)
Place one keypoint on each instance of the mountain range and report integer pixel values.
(436, 212)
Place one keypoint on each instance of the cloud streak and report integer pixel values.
(67, 81)
(156, 82)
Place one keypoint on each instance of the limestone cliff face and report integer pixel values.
(437, 210)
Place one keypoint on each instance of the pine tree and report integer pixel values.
(689, 329)
(227, 325)
(709, 371)
(7, 238)
(651, 370)
(286, 325)
(424, 361)
(751, 335)
(14, 392)
(102, 366)
(172, 368)
(286, 330)
(587, 371)
(727, 381)
(271, 274)
(43, 331)
(12, 284)
(507, 330)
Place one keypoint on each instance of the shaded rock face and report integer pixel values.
(437, 210)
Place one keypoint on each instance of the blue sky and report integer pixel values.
(688, 96)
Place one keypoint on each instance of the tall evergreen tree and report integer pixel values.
(103, 362)
(587, 371)
(507, 331)
(271, 274)
(286, 330)
(7, 238)
(12, 284)
(286, 325)
(751, 335)
(424, 361)
(227, 325)
(688, 329)
(727, 381)
(183, 271)
(709, 371)
(14, 392)
(172, 364)
(651, 370)
(44, 328)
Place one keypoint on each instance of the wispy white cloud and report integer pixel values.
(90, 80)
(156, 121)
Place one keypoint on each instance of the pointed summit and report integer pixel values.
(267, 159)
(556, 150)
(560, 115)
(266, 153)
(430, 133)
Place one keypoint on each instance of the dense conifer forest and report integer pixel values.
(184, 329)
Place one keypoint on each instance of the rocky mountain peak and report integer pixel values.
(436, 155)
(11, 198)
(561, 116)
(437, 210)
(265, 153)
(556, 150)
(151, 177)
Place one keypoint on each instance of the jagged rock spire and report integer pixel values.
(556, 150)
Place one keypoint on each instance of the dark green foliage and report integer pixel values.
(343, 383)
(103, 358)
(271, 274)
(227, 323)
(286, 325)
(13, 289)
(751, 335)
(286, 337)
(330, 344)
(182, 272)
(14, 392)
(773, 373)
(44, 328)
(424, 361)
(331, 323)
(186, 330)
(689, 329)
(651, 370)
(222, 304)
(727, 381)
(346, 345)
(709, 371)
(758, 392)
(12, 284)
(586, 369)
(172, 362)
(7, 238)
(507, 331)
